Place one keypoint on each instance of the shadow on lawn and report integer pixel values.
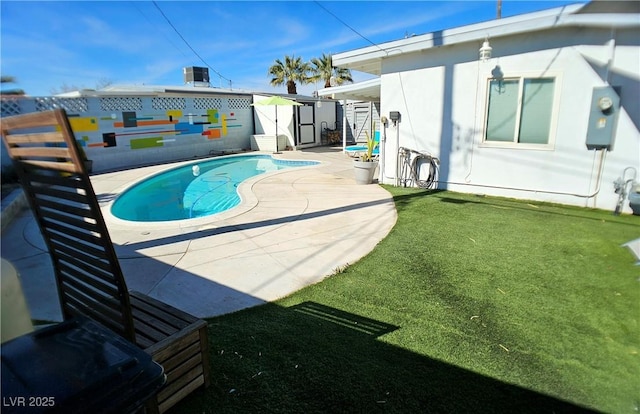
(533, 206)
(316, 359)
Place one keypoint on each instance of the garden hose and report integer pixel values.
(410, 167)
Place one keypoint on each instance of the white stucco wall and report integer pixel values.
(122, 131)
(265, 118)
(325, 116)
(442, 95)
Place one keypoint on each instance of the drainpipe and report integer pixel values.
(382, 145)
(612, 52)
(603, 152)
(396, 124)
(383, 151)
(344, 125)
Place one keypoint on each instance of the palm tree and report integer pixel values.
(291, 71)
(324, 70)
(10, 79)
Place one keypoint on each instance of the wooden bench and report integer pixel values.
(89, 279)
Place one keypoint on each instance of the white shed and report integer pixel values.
(297, 126)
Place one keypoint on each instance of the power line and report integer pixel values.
(351, 28)
(187, 43)
(133, 3)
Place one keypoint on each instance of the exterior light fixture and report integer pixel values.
(485, 50)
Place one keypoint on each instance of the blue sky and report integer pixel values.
(52, 44)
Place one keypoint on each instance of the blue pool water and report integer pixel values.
(195, 190)
(362, 148)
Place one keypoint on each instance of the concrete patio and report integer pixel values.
(294, 228)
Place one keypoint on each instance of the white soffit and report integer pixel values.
(369, 59)
(368, 90)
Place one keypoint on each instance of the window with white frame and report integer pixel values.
(520, 111)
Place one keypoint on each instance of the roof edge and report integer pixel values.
(558, 17)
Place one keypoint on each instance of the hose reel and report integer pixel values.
(411, 162)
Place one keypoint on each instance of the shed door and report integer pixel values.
(361, 123)
(306, 125)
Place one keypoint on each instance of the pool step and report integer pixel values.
(213, 201)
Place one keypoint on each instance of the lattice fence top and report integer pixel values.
(72, 105)
(239, 103)
(121, 104)
(207, 103)
(9, 107)
(16, 105)
(169, 103)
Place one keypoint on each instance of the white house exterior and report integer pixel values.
(517, 124)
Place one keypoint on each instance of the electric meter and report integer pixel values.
(605, 103)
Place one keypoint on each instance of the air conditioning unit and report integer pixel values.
(196, 74)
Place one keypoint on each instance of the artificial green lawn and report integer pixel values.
(471, 304)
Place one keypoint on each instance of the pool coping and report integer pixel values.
(300, 226)
(12, 205)
(248, 200)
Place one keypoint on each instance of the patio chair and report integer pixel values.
(89, 279)
(356, 151)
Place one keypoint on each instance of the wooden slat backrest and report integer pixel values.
(47, 160)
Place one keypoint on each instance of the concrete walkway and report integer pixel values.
(294, 228)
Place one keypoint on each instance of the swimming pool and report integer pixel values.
(195, 190)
